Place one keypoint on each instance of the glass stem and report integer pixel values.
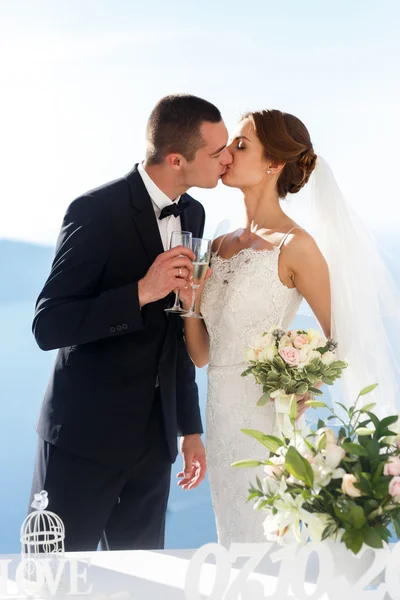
(176, 304)
(193, 307)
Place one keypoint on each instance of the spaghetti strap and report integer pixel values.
(220, 244)
(286, 235)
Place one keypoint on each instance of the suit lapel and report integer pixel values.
(143, 216)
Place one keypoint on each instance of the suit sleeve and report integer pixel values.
(70, 309)
(189, 418)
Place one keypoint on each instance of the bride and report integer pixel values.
(260, 274)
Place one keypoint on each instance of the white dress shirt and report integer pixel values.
(160, 201)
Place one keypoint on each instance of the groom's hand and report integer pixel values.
(170, 271)
(194, 462)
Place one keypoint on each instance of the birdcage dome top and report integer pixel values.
(41, 527)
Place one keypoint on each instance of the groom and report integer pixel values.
(123, 386)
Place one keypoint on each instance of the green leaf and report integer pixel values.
(368, 407)
(315, 391)
(396, 524)
(315, 404)
(381, 488)
(350, 513)
(353, 539)
(382, 428)
(368, 389)
(355, 449)
(372, 446)
(293, 408)
(370, 505)
(343, 406)
(265, 398)
(378, 474)
(247, 463)
(302, 388)
(364, 485)
(320, 424)
(374, 419)
(298, 466)
(372, 537)
(269, 441)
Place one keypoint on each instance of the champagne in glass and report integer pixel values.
(201, 248)
(199, 272)
(179, 238)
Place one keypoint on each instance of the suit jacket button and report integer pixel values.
(119, 327)
(124, 326)
(112, 329)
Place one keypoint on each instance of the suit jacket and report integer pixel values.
(111, 351)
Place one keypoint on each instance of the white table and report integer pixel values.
(160, 575)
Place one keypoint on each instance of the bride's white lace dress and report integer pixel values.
(243, 297)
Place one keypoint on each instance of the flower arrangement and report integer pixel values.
(321, 484)
(292, 362)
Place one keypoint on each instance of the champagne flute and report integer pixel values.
(179, 238)
(201, 248)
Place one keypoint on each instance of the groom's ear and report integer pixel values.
(174, 161)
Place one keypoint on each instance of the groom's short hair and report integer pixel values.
(174, 126)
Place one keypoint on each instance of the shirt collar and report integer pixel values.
(160, 199)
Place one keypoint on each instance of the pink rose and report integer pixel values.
(300, 341)
(290, 355)
(348, 486)
(394, 488)
(392, 467)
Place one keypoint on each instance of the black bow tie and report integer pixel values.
(175, 209)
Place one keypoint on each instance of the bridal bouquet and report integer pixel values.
(292, 362)
(321, 484)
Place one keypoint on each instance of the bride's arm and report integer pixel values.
(310, 275)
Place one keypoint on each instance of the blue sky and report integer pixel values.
(79, 78)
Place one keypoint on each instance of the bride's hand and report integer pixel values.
(301, 401)
(186, 294)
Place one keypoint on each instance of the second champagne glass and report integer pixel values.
(201, 248)
(179, 238)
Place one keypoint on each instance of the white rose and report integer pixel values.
(262, 341)
(307, 354)
(314, 337)
(284, 341)
(250, 354)
(348, 486)
(328, 358)
(333, 455)
(268, 340)
(268, 354)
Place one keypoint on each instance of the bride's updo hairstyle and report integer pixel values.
(285, 140)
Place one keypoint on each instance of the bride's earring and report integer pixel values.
(268, 172)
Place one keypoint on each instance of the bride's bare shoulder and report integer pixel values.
(299, 243)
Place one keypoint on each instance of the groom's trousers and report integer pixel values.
(129, 505)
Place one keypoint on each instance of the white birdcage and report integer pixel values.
(42, 536)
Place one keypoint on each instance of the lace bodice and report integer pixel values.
(244, 297)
